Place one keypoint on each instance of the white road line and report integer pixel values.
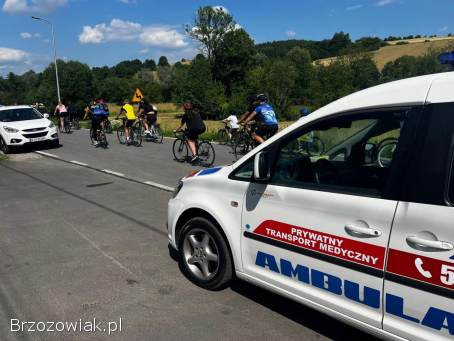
(92, 243)
(48, 154)
(164, 187)
(112, 172)
(79, 163)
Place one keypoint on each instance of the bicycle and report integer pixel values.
(75, 123)
(135, 133)
(101, 137)
(66, 125)
(205, 150)
(108, 126)
(155, 134)
(242, 143)
(313, 146)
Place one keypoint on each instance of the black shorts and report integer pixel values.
(151, 118)
(129, 123)
(63, 114)
(266, 132)
(193, 134)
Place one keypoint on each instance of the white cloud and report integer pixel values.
(144, 51)
(385, 2)
(32, 6)
(444, 28)
(11, 55)
(221, 9)
(26, 35)
(332, 12)
(354, 7)
(120, 30)
(290, 33)
(127, 2)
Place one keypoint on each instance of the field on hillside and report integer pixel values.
(413, 47)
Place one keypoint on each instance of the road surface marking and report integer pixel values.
(92, 243)
(113, 173)
(48, 154)
(164, 187)
(79, 163)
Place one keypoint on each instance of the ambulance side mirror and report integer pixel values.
(262, 166)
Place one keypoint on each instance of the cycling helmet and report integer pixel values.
(304, 112)
(262, 98)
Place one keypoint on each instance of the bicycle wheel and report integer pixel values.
(103, 139)
(108, 126)
(206, 154)
(138, 134)
(241, 146)
(157, 134)
(121, 135)
(67, 126)
(91, 136)
(316, 147)
(180, 150)
(222, 137)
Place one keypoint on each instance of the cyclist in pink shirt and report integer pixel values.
(62, 112)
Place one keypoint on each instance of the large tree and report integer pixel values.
(233, 58)
(210, 26)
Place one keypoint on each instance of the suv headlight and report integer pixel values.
(177, 189)
(10, 130)
(51, 125)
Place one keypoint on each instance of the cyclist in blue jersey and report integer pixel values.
(264, 115)
(99, 112)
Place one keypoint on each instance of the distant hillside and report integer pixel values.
(399, 48)
(339, 43)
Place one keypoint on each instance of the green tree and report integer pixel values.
(301, 59)
(127, 68)
(163, 62)
(210, 26)
(150, 64)
(194, 83)
(233, 58)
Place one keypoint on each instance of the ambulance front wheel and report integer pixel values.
(204, 255)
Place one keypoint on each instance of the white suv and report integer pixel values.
(349, 210)
(23, 125)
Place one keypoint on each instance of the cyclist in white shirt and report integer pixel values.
(232, 125)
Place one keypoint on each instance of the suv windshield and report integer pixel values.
(22, 114)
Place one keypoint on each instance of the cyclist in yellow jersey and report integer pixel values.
(128, 110)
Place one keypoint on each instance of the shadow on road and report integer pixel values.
(103, 207)
(299, 313)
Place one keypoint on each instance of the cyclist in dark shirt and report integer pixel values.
(194, 127)
(150, 112)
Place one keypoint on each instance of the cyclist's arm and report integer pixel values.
(244, 116)
(120, 113)
(250, 117)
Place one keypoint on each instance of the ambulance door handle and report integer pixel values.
(428, 245)
(361, 229)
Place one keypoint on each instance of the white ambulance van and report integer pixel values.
(349, 211)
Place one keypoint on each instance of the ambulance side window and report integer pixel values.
(350, 154)
(245, 171)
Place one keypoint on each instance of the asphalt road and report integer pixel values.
(79, 244)
(150, 162)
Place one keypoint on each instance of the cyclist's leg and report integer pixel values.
(94, 130)
(62, 122)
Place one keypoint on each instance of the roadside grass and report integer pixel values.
(3, 157)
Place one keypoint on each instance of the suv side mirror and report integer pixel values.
(262, 170)
(46, 115)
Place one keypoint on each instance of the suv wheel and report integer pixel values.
(204, 256)
(4, 147)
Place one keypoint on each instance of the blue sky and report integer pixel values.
(104, 32)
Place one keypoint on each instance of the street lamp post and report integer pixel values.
(55, 53)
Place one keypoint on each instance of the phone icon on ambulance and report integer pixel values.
(419, 263)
